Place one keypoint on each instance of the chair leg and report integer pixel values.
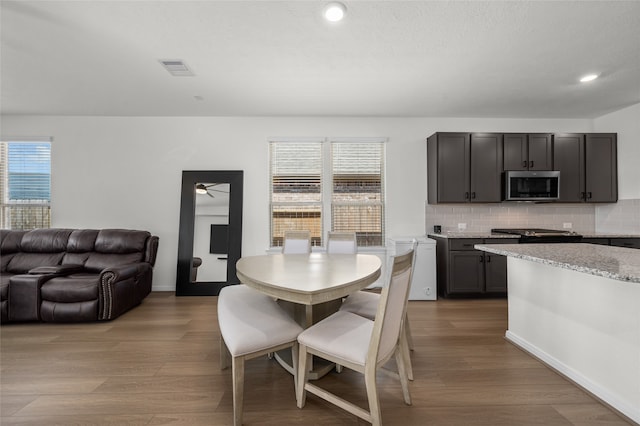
(238, 389)
(372, 395)
(294, 360)
(406, 353)
(303, 375)
(225, 356)
(408, 331)
(402, 372)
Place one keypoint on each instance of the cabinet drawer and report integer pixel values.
(464, 243)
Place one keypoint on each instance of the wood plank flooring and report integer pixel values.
(158, 365)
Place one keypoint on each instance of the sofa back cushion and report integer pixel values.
(51, 240)
(117, 247)
(9, 246)
(39, 247)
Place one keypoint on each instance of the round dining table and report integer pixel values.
(309, 286)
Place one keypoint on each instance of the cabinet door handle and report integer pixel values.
(589, 195)
(481, 259)
(583, 195)
(488, 259)
(531, 163)
(524, 163)
(473, 195)
(466, 195)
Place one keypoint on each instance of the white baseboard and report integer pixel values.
(624, 407)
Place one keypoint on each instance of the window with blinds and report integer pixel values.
(25, 189)
(357, 198)
(296, 189)
(345, 178)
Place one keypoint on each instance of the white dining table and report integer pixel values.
(310, 286)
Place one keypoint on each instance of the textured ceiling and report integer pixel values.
(267, 58)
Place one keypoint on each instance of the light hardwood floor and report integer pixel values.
(158, 365)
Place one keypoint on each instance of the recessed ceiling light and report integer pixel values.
(588, 77)
(334, 12)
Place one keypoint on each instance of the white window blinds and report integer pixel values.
(296, 189)
(344, 177)
(25, 190)
(357, 199)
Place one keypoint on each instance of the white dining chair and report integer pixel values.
(341, 242)
(296, 242)
(361, 344)
(365, 303)
(251, 324)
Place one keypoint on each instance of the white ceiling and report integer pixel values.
(278, 58)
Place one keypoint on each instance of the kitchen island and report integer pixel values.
(576, 307)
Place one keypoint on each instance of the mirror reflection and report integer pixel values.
(211, 232)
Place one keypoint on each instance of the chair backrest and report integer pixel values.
(342, 242)
(297, 242)
(391, 309)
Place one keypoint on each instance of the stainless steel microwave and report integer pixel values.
(532, 186)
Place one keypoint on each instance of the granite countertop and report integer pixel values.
(471, 235)
(617, 263)
(450, 234)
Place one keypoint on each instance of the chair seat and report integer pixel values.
(251, 321)
(343, 335)
(363, 303)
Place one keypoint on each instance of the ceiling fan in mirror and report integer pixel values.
(202, 188)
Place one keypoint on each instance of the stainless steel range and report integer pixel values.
(539, 235)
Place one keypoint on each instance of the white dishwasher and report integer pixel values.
(423, 283)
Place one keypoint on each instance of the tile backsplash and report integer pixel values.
(483, 217)
(622, 217)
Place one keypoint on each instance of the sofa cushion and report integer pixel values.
(74, 288)
(49, 240)
(99, 261)
(4, 288)
(9, 246)
(21, 263)
(82, 240)
(121, 241)
(69, 312)
(10, 241)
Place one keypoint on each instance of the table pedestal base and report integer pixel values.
(306, 316)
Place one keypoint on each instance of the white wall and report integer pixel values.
(626, 123)
(126, 171)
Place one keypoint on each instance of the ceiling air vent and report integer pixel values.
(176, 67)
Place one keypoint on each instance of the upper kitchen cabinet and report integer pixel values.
(533, 151)
(588, 167)
(464, 167)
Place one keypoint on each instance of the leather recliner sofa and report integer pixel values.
(74, 275)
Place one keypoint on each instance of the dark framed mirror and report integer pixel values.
(210, 238)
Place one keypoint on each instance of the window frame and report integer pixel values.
(327, 179)
(7, 204)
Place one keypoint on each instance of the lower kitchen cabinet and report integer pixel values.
(626, 242)
(614, 241)
(465, 271)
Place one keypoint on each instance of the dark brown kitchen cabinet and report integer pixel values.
(464, 167)
(588, 167)
(626, 242)
(465, 271)
(448, 162)
(595, 240)
(533, 151)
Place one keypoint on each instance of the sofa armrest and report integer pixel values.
(118, 288)
(57, 269)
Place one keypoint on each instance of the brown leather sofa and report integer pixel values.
(72, 275)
